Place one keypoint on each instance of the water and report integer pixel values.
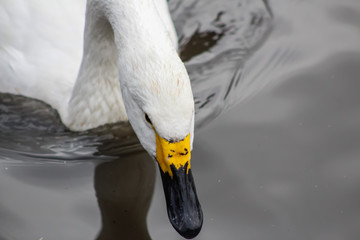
(283, 164)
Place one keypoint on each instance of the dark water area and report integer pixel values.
(276, 152)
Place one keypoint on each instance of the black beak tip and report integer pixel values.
(183, 207)
(188, 227)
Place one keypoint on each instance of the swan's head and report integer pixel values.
(160, 107)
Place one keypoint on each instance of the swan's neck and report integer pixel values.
(96, 97)
(116, 35)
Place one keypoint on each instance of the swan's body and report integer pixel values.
(126, 68)
(41, 48)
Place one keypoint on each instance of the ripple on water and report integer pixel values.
(216, 38)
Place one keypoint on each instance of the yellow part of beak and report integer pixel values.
(173, 153)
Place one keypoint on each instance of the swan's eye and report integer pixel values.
(148, 119)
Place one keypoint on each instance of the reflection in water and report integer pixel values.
(216, 38)
(124, 188)
(123, 184)
(124, 175)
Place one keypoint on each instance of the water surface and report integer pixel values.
(283, 164)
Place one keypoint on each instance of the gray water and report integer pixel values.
(282, 162)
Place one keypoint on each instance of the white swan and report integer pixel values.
(130, 70)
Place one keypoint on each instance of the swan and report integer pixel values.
(126, 68)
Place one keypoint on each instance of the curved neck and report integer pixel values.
(118, 34)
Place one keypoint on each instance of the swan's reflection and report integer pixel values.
(123, 185)
(124, 189)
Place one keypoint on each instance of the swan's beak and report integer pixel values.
(183, 206)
